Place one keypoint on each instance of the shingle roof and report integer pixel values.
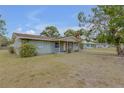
(44, 38)
(69, 39)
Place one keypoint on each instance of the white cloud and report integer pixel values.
(40, 27)
(30, 32)
(74, 27)
(19, 30)
(37, 29)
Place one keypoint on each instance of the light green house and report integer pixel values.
(95, 45)
(89, 44)
(45, 45)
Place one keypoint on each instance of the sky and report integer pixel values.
(33, 19)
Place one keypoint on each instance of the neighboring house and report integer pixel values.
(45, 45)
(95, 45)
(102, 45)
(89, 45)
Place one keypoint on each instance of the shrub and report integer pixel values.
(27, 50)
(11, 49)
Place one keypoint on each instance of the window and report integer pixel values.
(56, 45)
(88, 45)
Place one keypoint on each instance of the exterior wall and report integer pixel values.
(102, 45)
(75, 46)
(17, 45)
(89, 46)
(71, 45)
(97, 45)
(44, 47)
(63, 47)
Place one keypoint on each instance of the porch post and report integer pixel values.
(73, 47)
(59, 45)
(78, 46)
(67, 46)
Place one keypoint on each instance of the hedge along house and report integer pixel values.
(45, 45)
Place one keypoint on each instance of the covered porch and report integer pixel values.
(63, 46)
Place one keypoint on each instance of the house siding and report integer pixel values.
(44, 47)
(17, 45)
(102, 45)
(75, 46)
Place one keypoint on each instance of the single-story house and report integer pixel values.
(45, 45)
(95, 45)
(89, 45)
(102, 45)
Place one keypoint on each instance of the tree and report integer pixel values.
(69, 32)
(3, 38)
(84, 23)
(75, 33)
(83, 32)
(82, 19)
(3, 41)
(2, 27)
(108, 23)
(50, 31)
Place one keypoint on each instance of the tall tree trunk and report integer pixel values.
(120, 50)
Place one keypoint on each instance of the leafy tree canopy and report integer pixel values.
(2, 26)
(75, 33)
(108, 23)
(69, 32)
(50, 31)
(3, 38)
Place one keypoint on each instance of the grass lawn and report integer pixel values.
(88, 68)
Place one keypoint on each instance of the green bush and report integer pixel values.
(11, 49)
(27, 50)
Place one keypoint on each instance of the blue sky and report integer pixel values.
(33, 19)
